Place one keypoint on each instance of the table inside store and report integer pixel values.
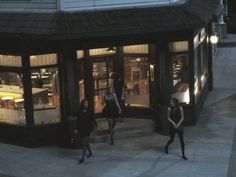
(17, 93)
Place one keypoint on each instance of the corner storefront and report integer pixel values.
(44, 77)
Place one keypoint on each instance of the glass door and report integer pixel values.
(136, 78)
(101, 72)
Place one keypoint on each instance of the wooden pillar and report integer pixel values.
(27, 85)
(119, 63)
(164, 87)
(68, 86)
(165, 73)
(153, 82)
(88, 80)
(191, 71)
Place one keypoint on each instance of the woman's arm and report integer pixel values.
(169, 119)
(104, 100)
(182, 116)
(117, 104)
(94, 121)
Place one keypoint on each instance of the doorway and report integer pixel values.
(101, 70)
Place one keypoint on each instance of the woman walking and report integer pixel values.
(175, 118)
(85, 125)
(111, 111)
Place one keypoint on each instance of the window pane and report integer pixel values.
(46, 95)
(136, 49)
(102, 51)
(10, 60)
(136, 73)
(80, 54)
(204, 62)
(43, 60)
(11, 98)
(181, 46)
(80, 76)
(181, 78)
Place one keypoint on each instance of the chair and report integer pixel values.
(51, 98)
(6, 101)
(19, 103)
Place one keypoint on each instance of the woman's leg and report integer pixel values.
(114, 121)
(181, 139)
(89, 148)
(172, 136)
(84, 146)
(110, 124)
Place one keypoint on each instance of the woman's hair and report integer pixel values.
(177, 106)
(109, 90)
(176, 101)
(81, 107)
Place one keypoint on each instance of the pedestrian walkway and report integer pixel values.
(208, 144)
(130, 128)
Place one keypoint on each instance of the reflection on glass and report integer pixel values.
(101, 72)
(81, 90)
(46, 95)
(98, 100)
(11, 98)
(181, 78)
(136, 72)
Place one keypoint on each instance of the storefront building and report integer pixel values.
(50, 61)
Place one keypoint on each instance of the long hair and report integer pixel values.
(81, 107)
(177, 106)
(176, 101)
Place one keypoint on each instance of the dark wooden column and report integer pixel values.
(191, 71)
(88, 80)
(27, 85)
(153, 84)
(68, 86)
(119, 63)
(164, 72)
(164, 87)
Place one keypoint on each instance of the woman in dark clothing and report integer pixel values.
(176, 117)
(85, 125)
(119, 91)
(111, 111)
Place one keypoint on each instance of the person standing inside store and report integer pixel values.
(176, 117)
(85, 125)
(111, 111)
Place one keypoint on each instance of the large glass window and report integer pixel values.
(204, 62)
(200, 63)
(136, 78)
(136, 75)
(11, 91)
(45, 89)
(181, 78)
(11, 98)
(180, 66)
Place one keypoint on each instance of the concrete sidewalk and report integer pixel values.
(208, 144)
